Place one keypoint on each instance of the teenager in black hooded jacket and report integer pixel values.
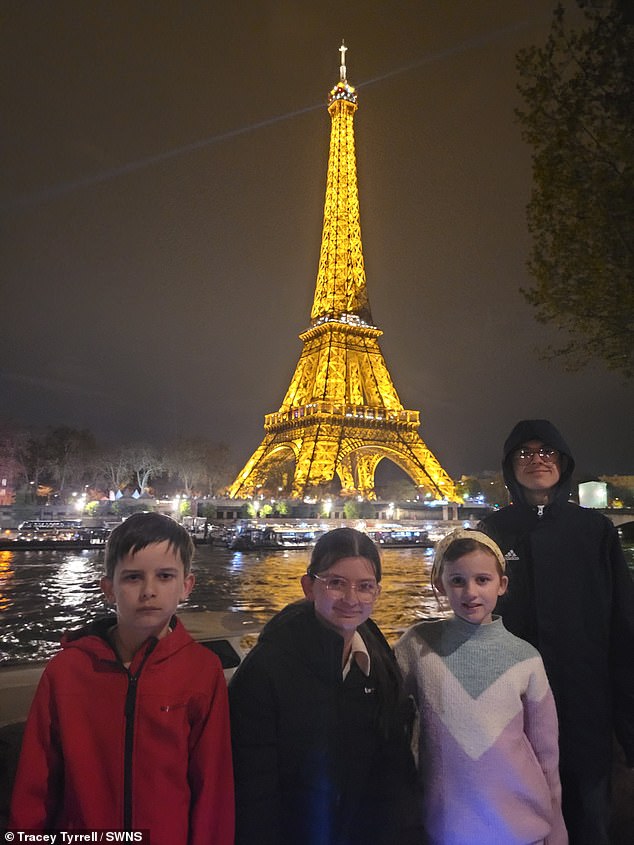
(320, 725)
(570, 595)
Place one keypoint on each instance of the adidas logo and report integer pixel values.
(511, 555)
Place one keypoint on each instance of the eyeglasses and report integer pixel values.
(546, 454)
(338, 587)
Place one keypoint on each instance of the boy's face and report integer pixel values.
(537, 475)
(472, 585)
(147, 587)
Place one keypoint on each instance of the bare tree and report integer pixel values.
(114, 467)
(219, 468)
(146, 462)
(184, 461)
(69, 455)
(11, 469)
(29, 457)
(202, 466)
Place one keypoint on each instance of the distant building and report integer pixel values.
(593, 494)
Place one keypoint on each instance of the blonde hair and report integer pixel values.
(469, 541)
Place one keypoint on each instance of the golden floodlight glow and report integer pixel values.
(341, 414)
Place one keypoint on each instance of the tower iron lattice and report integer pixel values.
(341, 414)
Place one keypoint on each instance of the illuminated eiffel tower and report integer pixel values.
(341, 414)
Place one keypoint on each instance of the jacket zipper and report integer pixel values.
(540, 511)
(129, 709)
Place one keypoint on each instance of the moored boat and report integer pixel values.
(402, 538)
(253, 537)
(51, 534)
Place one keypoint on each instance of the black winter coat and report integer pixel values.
(319, 760)
(571, 595)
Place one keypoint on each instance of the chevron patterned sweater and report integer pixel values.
(487, 747)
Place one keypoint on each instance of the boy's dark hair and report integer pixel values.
(143, 529)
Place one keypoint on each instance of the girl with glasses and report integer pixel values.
(320, 724)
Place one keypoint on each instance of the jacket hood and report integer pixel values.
(545, 431)
(93, 639)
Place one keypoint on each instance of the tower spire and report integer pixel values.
(341, 415)
(341, 283)
(342, 66)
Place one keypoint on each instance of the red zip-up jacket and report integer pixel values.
(147, 747)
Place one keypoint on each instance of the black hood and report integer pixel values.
(545, 431)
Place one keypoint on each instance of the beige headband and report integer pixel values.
(463, 534)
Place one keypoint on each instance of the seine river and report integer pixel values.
(44, 593)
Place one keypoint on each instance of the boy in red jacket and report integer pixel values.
(129, 727)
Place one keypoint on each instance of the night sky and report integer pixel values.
(163, 170)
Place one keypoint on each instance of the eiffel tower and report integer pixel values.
(341, 414)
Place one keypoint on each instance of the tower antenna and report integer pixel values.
(342, 66)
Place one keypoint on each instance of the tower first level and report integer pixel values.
(341, 414)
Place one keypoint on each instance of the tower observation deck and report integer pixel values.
(341, 414)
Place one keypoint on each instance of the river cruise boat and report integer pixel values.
(399, 537)
(56, 534)
(256, 536)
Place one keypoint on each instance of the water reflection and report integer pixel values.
(43, 593)
(6, 573)
(264, 583)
